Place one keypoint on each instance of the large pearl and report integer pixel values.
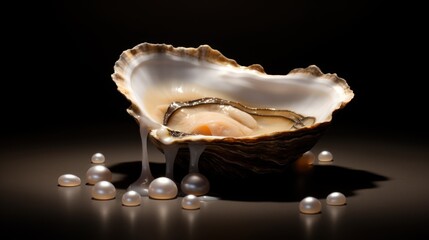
(336, 199)
(98, 173)
(131, 198)
(195, 183)
(103, 190)
(162, 188)
(191, 202)
(310, 205)
(98, 158)
(325, 156)
(69, 180)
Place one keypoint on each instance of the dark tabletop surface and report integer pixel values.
(384, 180)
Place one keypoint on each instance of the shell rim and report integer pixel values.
(206, 53)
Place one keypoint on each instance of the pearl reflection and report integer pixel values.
(131, 214)
(71, 195)
(310, 221)
(191, 220)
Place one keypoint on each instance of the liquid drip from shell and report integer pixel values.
(141, 185)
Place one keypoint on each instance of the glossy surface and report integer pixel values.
(162, 188)
(98, 158)
(325, 156)
(69, 180)
(131, 199)
(195, 184)
(103, 190)
(336, 199)
(310, 205)
(98, 173)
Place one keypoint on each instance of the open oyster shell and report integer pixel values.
(158, 77)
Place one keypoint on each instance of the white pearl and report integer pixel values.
(305, 162)
(191, 202)
(98, 173)
(69, 180)
(310, 205)
(336, 198)
(103, 190)
(325, 156)
(195, 183)
(131, 198)
(308, 157)
(98, 158)
(162, 188)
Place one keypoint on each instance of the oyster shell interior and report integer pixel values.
(153, 76)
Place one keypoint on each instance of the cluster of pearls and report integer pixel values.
(193, 185)
(100, 177)
(308, 159)
(312, 205)
(97, 175)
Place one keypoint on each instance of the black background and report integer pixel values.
(57, 94)
(59, 56)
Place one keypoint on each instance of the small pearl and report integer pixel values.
(98, 158)
(103, 190)
(162, 188)
(69, 180)
(310, 205)
(336, 199)
(131, 198)
(195, 183)
(191, 202)
(325, 156)
(98, 173)
(305, 162)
